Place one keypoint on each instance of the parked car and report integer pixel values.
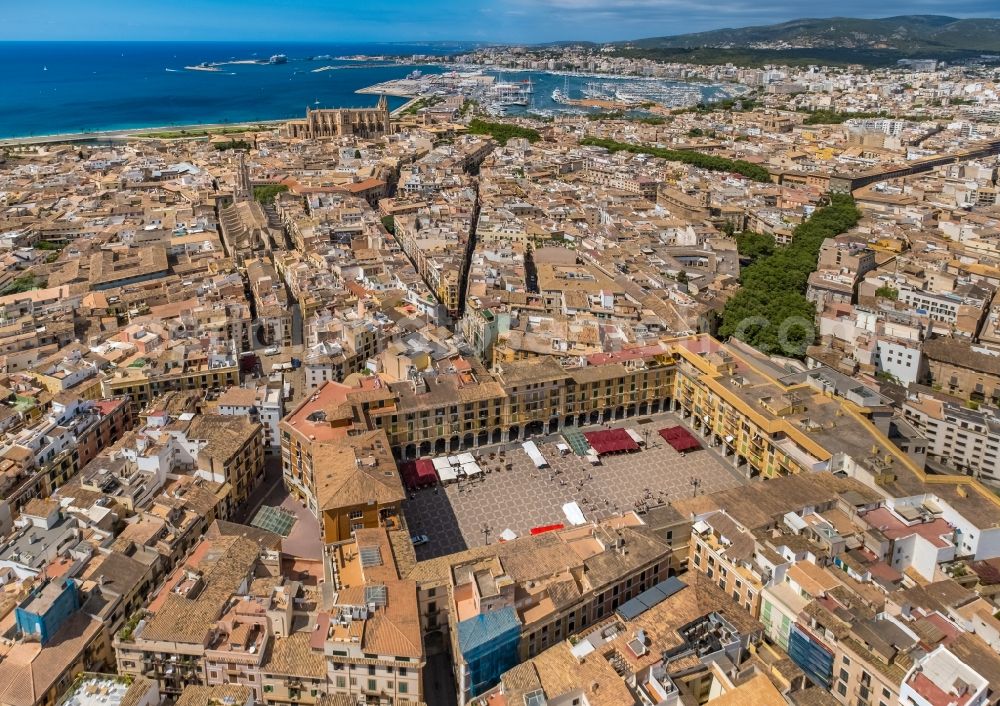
(419, 539)
(272, 350)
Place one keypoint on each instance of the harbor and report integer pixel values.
(545, 94)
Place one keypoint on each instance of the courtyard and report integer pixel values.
(474, 512)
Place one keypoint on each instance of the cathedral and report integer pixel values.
(366, 123)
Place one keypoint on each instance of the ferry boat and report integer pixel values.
(278, 59)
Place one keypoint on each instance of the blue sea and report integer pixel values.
(66, 87)
(58, 87)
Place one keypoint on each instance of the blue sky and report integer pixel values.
(401, 20)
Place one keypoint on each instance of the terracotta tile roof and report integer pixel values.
(136, 691)
(395, 629)
(29, 670)
(194, 695)
(948, 350)
(228, 561)
(356, 471)
(758, 691)
(225, 434)
(561, 673)
(293, 656)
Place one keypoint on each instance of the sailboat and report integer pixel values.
(563, 95)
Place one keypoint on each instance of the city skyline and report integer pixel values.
(514, 21)
(347, 360)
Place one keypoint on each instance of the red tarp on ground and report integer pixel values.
(418, 474)
(610, 441)
(680, 438)
(546, 528)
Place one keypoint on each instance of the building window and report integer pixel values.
(401, 687)
(372, 685)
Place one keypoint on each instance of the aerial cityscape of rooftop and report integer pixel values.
(523, 353)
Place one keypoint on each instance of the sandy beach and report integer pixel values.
(129, 133)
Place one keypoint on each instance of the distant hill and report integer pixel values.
(932, 36)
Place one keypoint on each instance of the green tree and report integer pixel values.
(771, 312)
(755, 245)
(692, 157)
(233, 145)
(24, 283)
(502, 132)
(267, 193)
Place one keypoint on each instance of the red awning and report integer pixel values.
(610, 441)
(418, 474)
(546, 528)
(426, 475)
(680, 438)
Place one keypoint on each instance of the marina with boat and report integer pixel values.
(547, 94)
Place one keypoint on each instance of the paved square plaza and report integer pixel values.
(523, 497)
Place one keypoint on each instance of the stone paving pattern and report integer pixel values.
(524, 497)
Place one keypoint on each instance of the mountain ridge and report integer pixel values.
(907, 34)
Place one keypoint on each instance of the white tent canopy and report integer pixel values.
(534, 454)
(447, 474)
(574, 515)
(471, 469)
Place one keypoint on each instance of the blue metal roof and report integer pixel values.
(649, 598)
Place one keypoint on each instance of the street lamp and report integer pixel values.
(486, 529)
(695, 482)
